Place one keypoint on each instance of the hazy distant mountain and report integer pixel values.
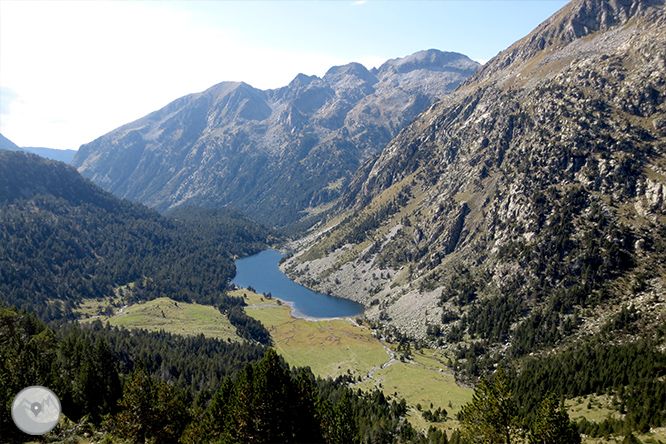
(526, 207)
(278, 154)
(6, 144)
(50, 153)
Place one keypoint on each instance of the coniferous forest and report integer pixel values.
(65, 240)
(139, 386)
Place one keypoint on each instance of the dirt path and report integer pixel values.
(392, 359)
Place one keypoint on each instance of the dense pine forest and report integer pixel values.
(136, 386)
(63, 239)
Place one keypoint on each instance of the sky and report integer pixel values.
(71, 71)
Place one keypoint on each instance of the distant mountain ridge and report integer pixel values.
(278, 155)
(49, 153)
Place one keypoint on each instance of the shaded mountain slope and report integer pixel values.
(64, 239)
(6, 144)
(527, 206)
(277, 155)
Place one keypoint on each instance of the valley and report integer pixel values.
(331, 348)
(488, 244)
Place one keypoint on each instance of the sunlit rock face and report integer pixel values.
(531, 195)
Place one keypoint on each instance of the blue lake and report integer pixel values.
(261, 272)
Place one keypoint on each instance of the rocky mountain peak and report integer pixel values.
(277, 154)
(530, 193)
(352, 80)
(431, 59)
(301, 81)
(574, 21)
(354, 69)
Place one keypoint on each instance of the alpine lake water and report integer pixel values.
(261, 272)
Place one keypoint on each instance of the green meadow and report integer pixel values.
(168, 315)
(342, 347)
(330, 348)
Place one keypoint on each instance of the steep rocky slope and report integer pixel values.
(277, 155)
(526, 207)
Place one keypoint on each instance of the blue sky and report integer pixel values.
(70, 71)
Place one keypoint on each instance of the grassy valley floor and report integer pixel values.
(335, 347)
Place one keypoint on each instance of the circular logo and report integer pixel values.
(36, 410)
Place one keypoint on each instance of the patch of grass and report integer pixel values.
(592, 407)
(420, 385)
(173, 317)
(329, 348)
(95, 307)
(338, 347)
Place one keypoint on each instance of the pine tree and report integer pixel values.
(273, 414)
(552, 425)
(345, 429)
(307, 409)
(239, 424)
(151, 410)
(491, 417)
(136, 417)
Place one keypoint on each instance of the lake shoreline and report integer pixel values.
(262, 272)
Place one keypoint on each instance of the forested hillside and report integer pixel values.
(64, 239)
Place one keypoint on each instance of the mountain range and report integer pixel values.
(277, 155)
(50, 153)
(527, 207)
